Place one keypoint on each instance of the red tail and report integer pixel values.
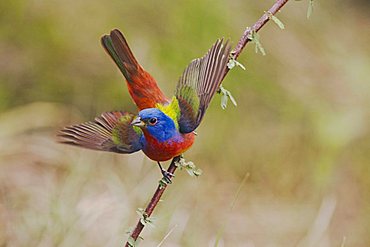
(141, 85)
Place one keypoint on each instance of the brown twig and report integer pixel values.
(245, 38)
(153, 202)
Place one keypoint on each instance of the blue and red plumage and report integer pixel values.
(163, 128)
(165, 150)
(162, 141)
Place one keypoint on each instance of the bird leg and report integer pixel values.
(166, 175)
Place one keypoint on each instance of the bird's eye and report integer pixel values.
(152, 121)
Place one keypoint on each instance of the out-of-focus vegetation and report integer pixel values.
(301, 128)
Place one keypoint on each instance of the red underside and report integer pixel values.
(162, 151)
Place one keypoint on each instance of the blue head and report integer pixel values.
(158, 125)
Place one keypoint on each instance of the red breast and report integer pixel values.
(162, 151)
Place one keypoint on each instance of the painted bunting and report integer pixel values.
(163, 128)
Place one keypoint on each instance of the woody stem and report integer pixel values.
(153, 202)
(244, 39)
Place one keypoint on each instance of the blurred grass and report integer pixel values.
(301, 128)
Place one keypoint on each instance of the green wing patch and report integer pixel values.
(198, 83)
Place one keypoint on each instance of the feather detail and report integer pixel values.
(141, 85)
(172, 110)
(166, 150)
(112, 131)
(198, 83)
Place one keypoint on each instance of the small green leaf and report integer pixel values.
(132, 242)
(197, 172)
(225, 96)
(232, 63)
(144, 218)
(224, 100)
(239, 64)
(190, 172)
(189, 166)
(255, 38)
(278, 22)
(260, 48)
(232, 98)
(310, 8)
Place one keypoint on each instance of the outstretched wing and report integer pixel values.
(142, 86)
(199, 82)
(112, 131)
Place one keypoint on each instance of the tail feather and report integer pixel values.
(141, 85)
(120, 53)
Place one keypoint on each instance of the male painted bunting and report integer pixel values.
(163, 128)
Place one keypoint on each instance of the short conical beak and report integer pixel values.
(138, 122)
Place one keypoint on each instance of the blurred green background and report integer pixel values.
(301, 129)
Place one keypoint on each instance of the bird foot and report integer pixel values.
(167, 176)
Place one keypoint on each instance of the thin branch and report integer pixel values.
(245, 38)
(153, 202)
(256, 27)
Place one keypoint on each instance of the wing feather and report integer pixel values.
(112, 131)
(198, 83)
